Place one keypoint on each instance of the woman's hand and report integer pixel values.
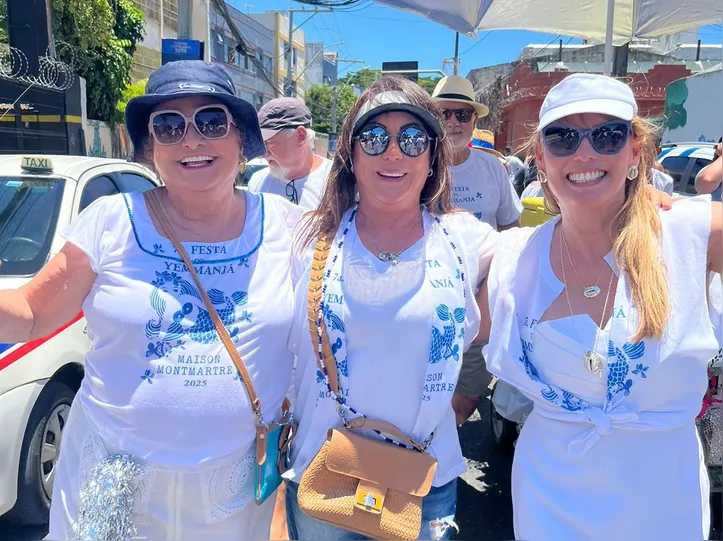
(661, 199)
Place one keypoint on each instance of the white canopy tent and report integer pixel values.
(613, 21)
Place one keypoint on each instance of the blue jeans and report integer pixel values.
(439, 505)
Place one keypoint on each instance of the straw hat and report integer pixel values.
(460, 90)
(485, 140)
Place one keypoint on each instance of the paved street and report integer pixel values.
(484, 508)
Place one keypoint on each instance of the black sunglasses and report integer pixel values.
(609, 138)
(412, 140)
(463, 115)
(170, 127)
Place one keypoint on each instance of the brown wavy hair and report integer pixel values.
(341, 188)
(636, 234)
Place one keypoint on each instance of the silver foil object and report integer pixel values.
(106, 510)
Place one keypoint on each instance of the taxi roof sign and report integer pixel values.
(36, 163)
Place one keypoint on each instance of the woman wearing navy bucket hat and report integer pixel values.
(188, 299)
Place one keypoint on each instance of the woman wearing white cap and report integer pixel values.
(599, 316)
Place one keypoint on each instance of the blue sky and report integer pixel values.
(376, 33)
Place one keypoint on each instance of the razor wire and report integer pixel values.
(53, 73)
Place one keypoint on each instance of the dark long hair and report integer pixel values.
(341, 188)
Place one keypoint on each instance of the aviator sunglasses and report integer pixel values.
(374, 140)
(463, 115)
(170, 127)
(609, 138)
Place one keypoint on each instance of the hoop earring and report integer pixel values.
(431, 172)
(633, 172)
(542, 177)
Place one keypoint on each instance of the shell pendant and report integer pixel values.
(591, 292)
(593, 363)
(390, 257)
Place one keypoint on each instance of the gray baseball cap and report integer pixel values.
(281, 113)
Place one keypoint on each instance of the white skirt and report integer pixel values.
(631, 485)
(213, 501)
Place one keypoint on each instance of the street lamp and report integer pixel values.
(310, 62)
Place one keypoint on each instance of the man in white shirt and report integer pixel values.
(481, 186)
(479, 181)
(294, 171)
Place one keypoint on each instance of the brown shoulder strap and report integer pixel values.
(320, 338)
(152, 199)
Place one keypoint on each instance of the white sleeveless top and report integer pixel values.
(618, 457)
(158, 382)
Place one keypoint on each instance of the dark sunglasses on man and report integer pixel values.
(463, 115)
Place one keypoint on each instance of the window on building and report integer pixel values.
(230, 52)
(218, 47)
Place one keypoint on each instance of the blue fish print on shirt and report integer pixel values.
(202, 330)
(332, 320)
(443, 346)
(619, 367)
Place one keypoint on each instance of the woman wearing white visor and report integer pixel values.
(600, 317)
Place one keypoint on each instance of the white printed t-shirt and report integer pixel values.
(158, 382)
(387, 312)
(480, 185)
(308, 189)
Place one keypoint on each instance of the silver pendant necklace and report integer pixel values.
(592, 360)
(393, 257)
(590, 292)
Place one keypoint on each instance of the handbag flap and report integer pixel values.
(381, 463)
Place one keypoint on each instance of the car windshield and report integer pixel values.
(29, 210)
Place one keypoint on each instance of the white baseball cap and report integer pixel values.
(588, 93)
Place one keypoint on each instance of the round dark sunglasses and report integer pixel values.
(412, 140)
(170, 127)
(609, 138)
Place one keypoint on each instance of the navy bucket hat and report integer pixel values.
(189, 78)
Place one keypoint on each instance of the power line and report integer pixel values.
(475, 45)
(243, 46)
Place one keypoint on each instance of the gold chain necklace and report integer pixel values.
(593, 361)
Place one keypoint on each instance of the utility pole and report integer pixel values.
(289, 87)
(456, 54)
(334, 104)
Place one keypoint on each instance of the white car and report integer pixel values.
(39, 196)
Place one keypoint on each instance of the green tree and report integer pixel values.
(320, 100)
(131, 91)
(362, 78)
(4, 36)
(103, 35)
(428, 83)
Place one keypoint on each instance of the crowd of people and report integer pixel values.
(361, 293)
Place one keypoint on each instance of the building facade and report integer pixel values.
(176, 19)
(314, 74)
(250, 78)
(278, 23)
(527, 90)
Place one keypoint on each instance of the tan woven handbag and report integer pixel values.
(355, 482)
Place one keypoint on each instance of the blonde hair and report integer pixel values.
(341, 189)
(636, 233)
